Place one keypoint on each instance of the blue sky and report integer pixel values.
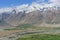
(8, 3)
(12, 3)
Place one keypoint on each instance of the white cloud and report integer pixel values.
(40, 0)
(17, 8)
(9, 9)
(21, 7)
(51, 2)
(54, 1)
(34, 6)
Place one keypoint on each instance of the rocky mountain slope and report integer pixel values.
(47, 15)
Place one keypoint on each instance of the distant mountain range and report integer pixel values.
(47, 15)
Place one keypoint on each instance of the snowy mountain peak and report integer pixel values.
(28, 8)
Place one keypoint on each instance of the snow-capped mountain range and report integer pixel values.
(41, 5)
(30, 14)
(28, 8)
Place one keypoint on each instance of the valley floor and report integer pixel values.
(20, 34)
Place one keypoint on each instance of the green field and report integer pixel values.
(40, 37)
(19, 27)
(26, 26)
